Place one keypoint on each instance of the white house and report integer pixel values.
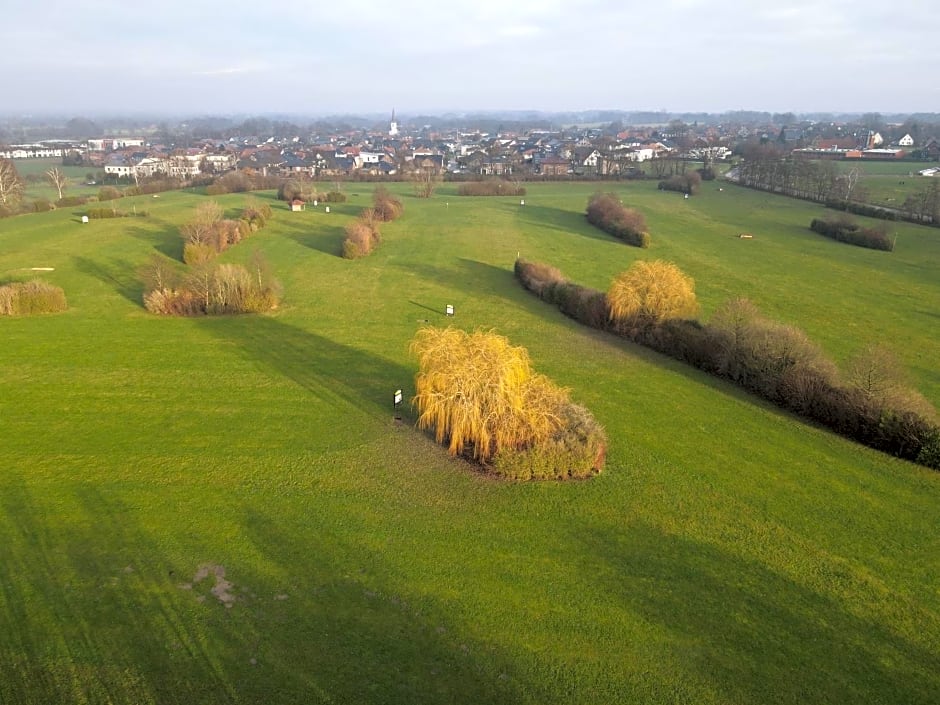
(220, 162)
(906, 141)
(184, 165)
(591, 158)
(30, 151)
(638, 154)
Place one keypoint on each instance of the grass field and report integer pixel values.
(33, 170)
(889, 183)
(225, 511)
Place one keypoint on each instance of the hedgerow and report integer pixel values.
(773, 360)
(605, 211)
(32, 297)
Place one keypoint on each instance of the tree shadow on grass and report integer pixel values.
(323, 237)
(365, 639)
(547, 217)
(752, 633)
(96, 610)
(349, 375)
(165, 238)
(107, 620)
(118, 274)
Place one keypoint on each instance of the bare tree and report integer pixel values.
(57, 178)
(11, 185)
(202, 227)
(158, 274)
(847, 181)
(426, 179)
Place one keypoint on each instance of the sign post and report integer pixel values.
(449, 309)
(396, 403)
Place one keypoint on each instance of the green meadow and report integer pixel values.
(34, 170)
(889, 183)
(227, 511)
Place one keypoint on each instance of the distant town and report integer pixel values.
(397, 149)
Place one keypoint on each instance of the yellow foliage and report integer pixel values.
(651, 292)
(480, 393)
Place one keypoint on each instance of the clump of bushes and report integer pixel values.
(482, 398)
(255, 214)
(208, 234)
(362, 236)
(231, 182)
(71, 201)
(688, 183)
(844, 229)
(219, 289)
(605, 211)
(866, 209)
(108, 193)
(771, 359)
(32, 297)
(385, 206)
(293, 189)
(649, 293)
(490, 187)
(579, 302)
(290, 190)
(100, 213)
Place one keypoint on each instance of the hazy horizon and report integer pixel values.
(364, 57)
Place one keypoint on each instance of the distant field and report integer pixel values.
(889, 183)
(38, 187)
(728, 554)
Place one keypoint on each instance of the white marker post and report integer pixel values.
(449, 310)
(397, 399)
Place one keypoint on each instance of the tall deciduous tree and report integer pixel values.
(201, 228)
(11, 185)
(57, 178)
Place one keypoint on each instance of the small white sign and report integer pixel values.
(327, 209)
(398, 397)
(314, 203)
(84, 218)
(522, 202)
(449, 310)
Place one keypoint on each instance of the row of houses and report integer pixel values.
(34, 151)
(843, 149)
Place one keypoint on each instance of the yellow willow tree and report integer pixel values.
(651, 292)
(480, 394)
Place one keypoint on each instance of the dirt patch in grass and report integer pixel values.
(221, 589)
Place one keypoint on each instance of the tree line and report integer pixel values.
(654, 304)
(766, 168)
(605, 211)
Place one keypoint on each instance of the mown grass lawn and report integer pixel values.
(889, 183)
(33, 172)
(728, 554)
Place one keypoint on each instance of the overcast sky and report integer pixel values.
(367, 56)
